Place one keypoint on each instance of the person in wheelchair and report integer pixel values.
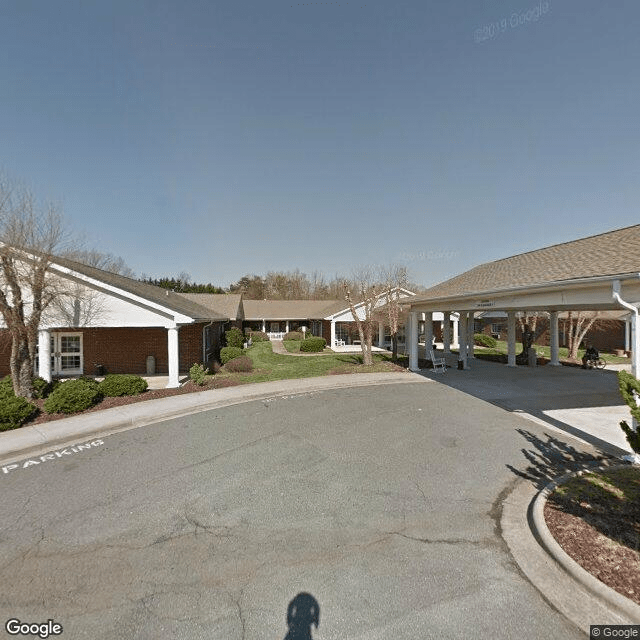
(590, 356)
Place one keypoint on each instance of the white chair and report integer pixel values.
(439, 364)
(340, 343)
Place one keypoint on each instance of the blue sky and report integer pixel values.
(225, 138)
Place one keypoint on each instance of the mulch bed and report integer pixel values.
(598, 525)
(151, 394)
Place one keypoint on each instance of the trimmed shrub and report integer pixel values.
(198, 374)
(258, 336)
(122, 384)
(229, 353)
(313, 345)
(41, 388)
(234, 338)
(73, 396)
(293, 335)
(14, 412)
(485, 340)
(242, 364)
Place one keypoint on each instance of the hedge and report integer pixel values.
(73, 396)
(234, 338)
(122, 384)
(485, 340)
(313, 345)
(15, 411)
(293, 335)
(258, 336)
(229, 353)
(198, 373)
(241, 364)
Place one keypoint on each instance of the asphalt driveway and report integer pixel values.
(382, 502)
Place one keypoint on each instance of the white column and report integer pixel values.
(264, 326)
(172, 342)
(44, 354)
(428, 333)
(456, 330)
(462, 341)
(511, 338)
(470, 328)
(412, 338)
(635, 346)
(286, 326)
(333, 334)
(446, 331)
(381, 334)
(553, 341)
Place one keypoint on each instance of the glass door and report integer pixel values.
(67, 356)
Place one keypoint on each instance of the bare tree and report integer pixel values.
(394, 278)
(578, 324)
(106, 262)
(366, 292)
(29, 237)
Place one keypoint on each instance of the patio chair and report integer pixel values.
(340, 343)
(439, 364)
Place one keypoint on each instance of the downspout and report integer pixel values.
(635, 346)
(635, 342)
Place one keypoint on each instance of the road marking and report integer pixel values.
(59, 453)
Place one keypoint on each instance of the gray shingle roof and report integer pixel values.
(606, 254)
(169, 299)
(291, 309)
(227, 304)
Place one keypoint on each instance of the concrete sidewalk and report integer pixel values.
(583, 403)
(19, 442)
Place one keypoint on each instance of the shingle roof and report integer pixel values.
(291, 309)
(169, 299)
(606, 254)
(228, 304)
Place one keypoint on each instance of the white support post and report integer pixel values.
(456, 331)
(381, 334)
(44, 354)
(264, 326)
(554, 342)
(428, 333)
(286, 326)
(470, 332)
(333, 334)
(412, 339)
(511, 338)
(172, 343)
(635, 346)
(462, 341)
(446, 331)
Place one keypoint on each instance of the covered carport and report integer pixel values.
(600, 272)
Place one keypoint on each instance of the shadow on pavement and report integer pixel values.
(302, 613)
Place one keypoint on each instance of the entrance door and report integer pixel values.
(66, 354)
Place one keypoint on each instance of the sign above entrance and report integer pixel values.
(486, 303)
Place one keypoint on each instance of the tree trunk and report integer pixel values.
(21, 365)
(394, 347)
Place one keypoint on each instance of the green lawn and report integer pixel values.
(501, 348)
(275, 366)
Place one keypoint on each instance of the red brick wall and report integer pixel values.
(125, 349)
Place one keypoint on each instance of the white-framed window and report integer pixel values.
(67, 356)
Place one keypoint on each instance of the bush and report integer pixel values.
(14, 412)
(293, 335)
(198, 374)
(234, 338)
(485, 340)
(313, 345)
(122, 385)
(258, 336)
(242, 364)
(229, 353)
(41, 388)
(73, 396)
